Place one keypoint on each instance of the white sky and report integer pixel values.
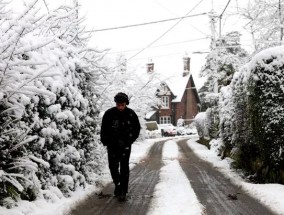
(188, 36)
(271, 195)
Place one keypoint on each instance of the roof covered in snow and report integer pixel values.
(177, 86)
(150, 114)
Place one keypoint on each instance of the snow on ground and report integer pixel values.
(173, 194)
(55, 206)
(172, 180)
(139, 150)
(58, 205)
(271, 195)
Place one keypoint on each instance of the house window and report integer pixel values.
(165, 102)
(165, 119)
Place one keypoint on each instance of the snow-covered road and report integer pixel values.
(172, 180)
(162, 182)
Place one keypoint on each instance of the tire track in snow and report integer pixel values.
(212, 187)
(142, 181)
(173, 194)
(143, 178)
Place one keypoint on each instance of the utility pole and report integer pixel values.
(281, 21)
(76, 7)
(213, 17)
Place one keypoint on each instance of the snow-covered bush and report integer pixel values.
(153, 134)
(242, 140)
(180, 122)
(265, 106)
(201, 124)
(12, 160)
(258, 116)
(217, 146)
(48, 104)
(226, 112)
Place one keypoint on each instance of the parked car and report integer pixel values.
(167, 130)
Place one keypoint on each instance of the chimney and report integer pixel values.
(186, 65)
(150, 67)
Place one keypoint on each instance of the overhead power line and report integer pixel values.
(147, 23)
(225, 8)
(162, 45)
(221, 15)
(161, 36)
(172, 54)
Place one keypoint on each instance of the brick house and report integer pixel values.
(178, 96)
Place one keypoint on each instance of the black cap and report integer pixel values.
(121, 98)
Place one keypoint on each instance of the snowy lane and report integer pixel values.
(157, 185)
(216, 192)
(154, 166)
(171, 179)
(143, 178)
(173, 194)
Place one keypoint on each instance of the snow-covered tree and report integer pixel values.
(121, 62)
(226, 58)
(49, 104)
(221, 64)
(265, 22)
(139, 87)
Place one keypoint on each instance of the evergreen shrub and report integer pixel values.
(258, 93)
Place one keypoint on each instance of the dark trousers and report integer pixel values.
(118, 159)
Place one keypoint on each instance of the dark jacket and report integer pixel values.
(119, 126)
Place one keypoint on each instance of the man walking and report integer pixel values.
(120, 128)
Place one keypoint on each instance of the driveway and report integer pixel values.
(214, 191)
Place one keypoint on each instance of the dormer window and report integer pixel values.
(165, 102)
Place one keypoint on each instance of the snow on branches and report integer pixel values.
(48, 112)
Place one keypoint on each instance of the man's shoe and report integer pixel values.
(117, 190)
(122, 197)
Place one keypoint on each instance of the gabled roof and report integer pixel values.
(150, 114)
(178, 85)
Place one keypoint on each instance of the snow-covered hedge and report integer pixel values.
(201, 125)
(258, 115)
(48, 105)
(266, 110)
(249, 116)
(241, 139)
(226, 111)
